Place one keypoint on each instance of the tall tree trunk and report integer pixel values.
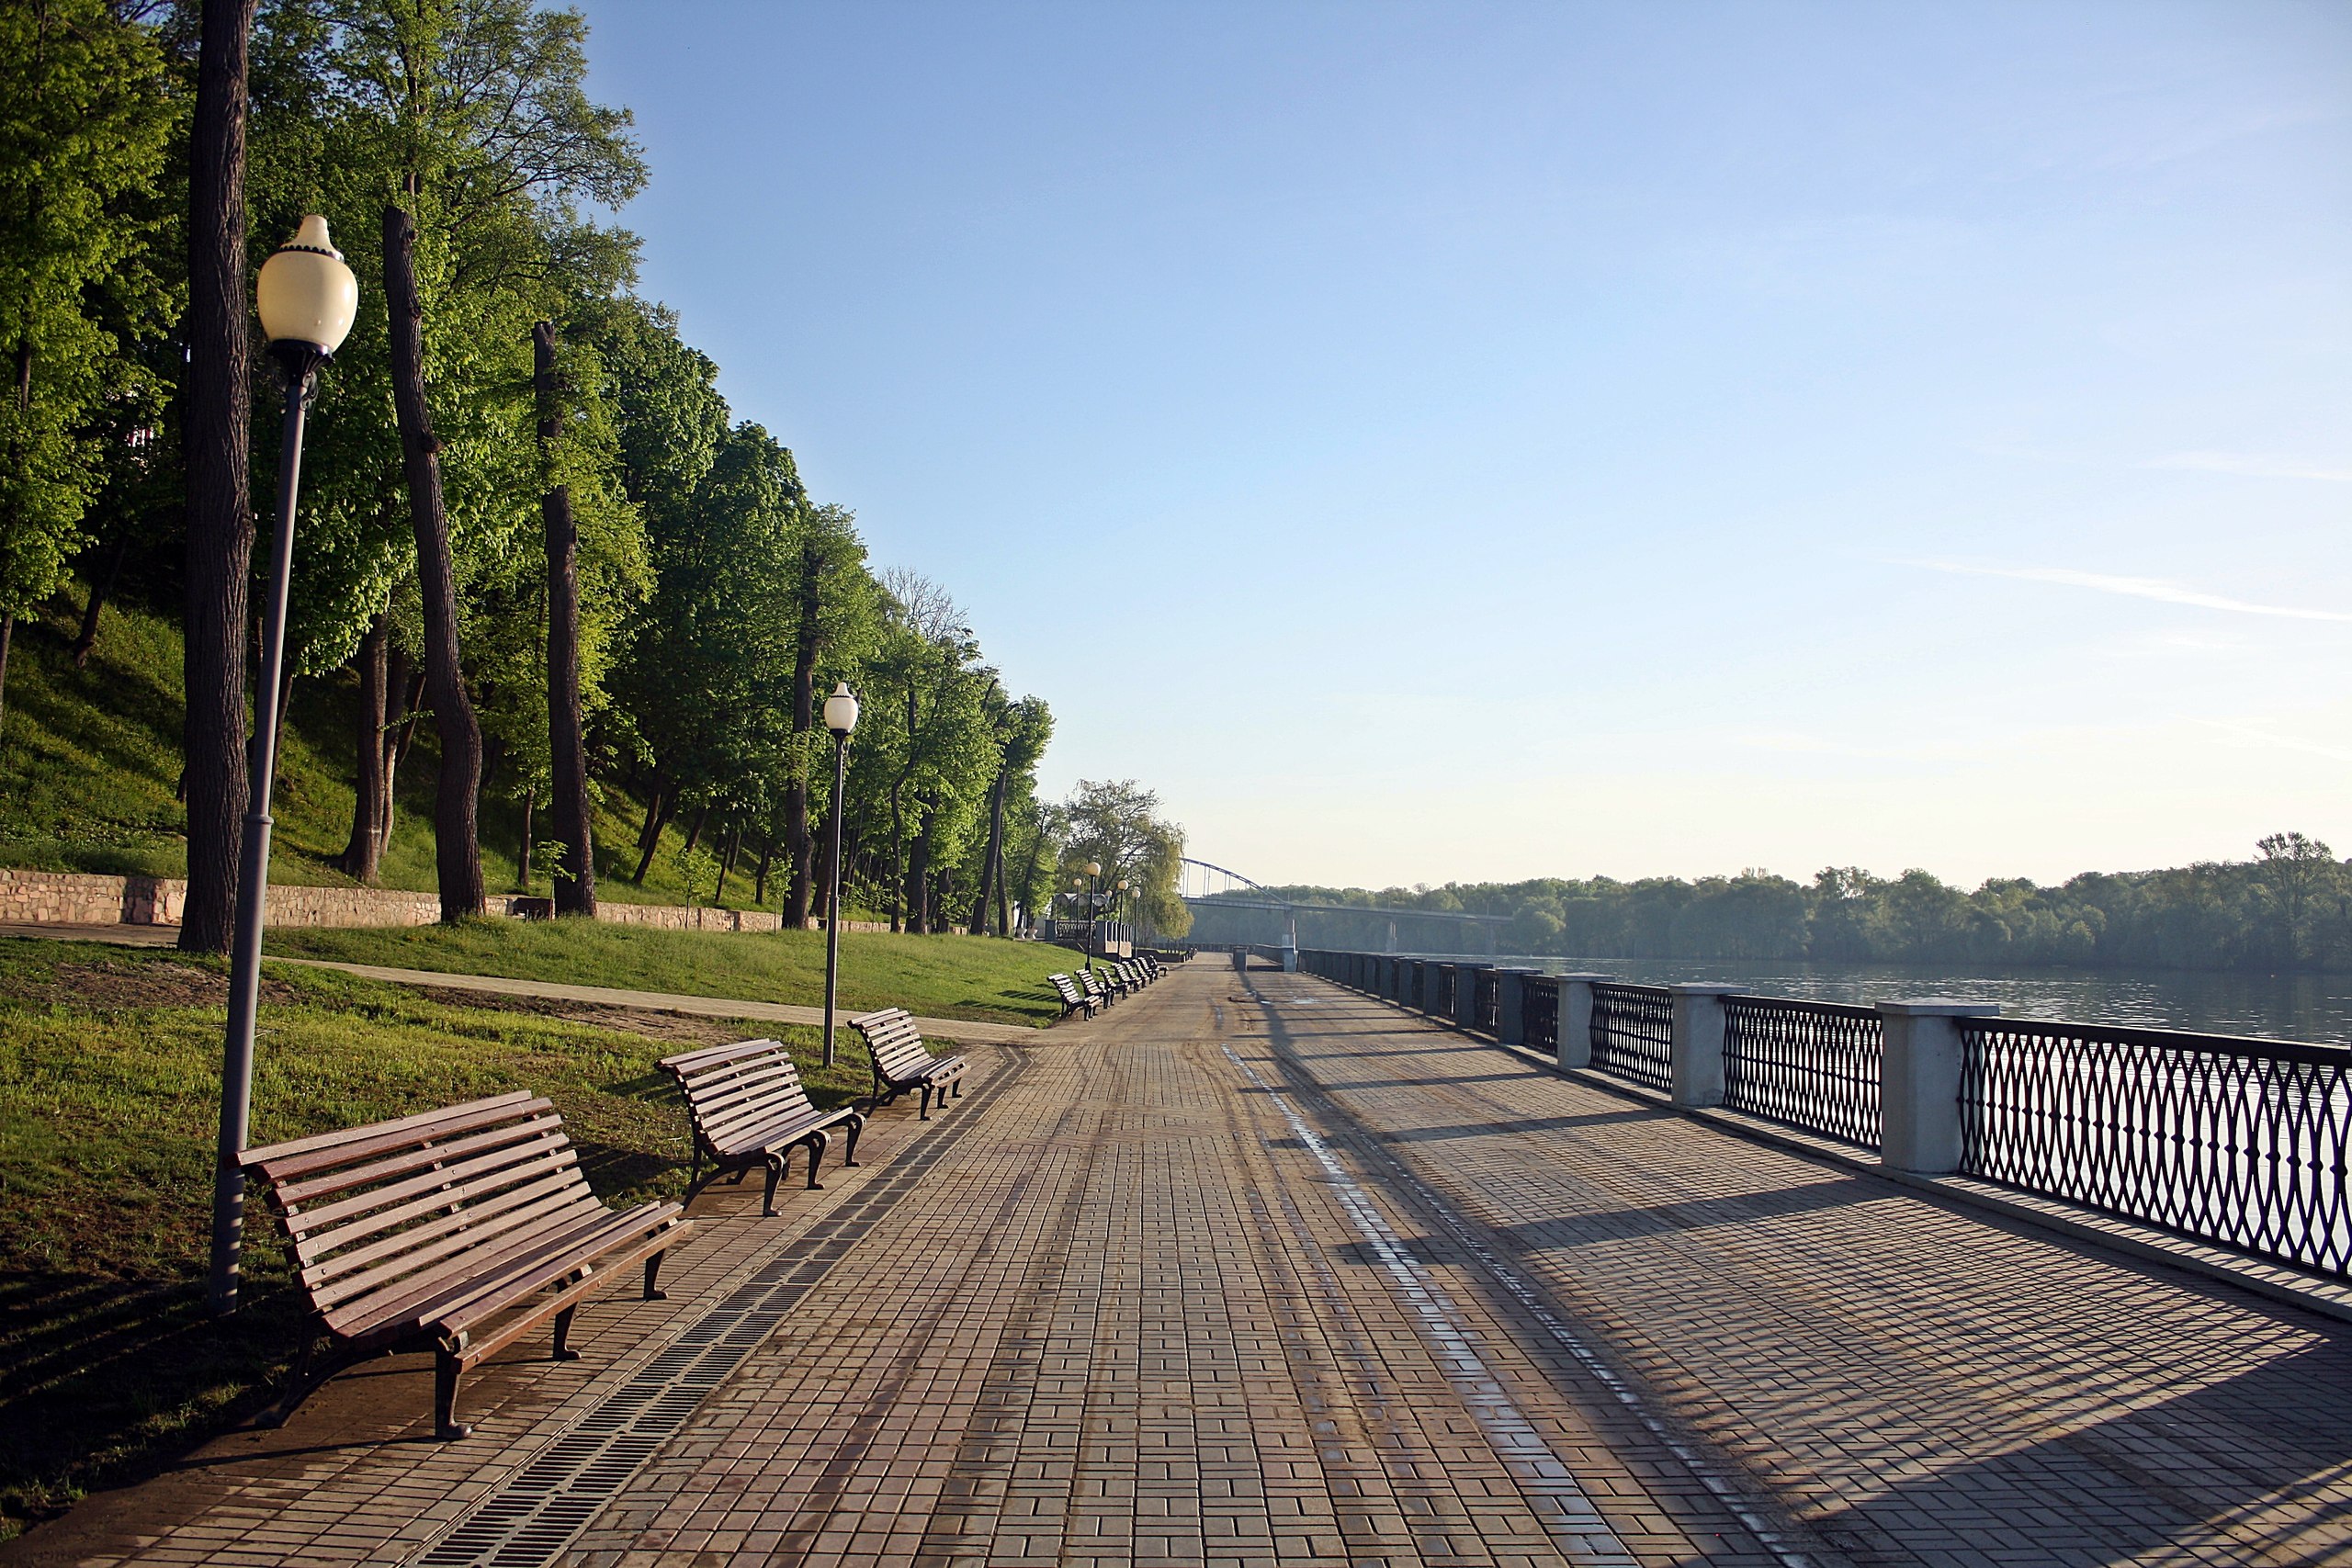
(456, 849)
(991, 861)
(657, 811)
(726, 863)
(656, 816)
(219, 513)
(363, 855)
(919, 869)
(101, 588)
(16, 462)
(523, 861)
(898, 860)
(1029, 868)
(404, 695)
(760, 877)
(575, 871)
(796, 837)
(1003, 900)
(693, 829)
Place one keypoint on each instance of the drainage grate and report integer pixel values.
(529, 1521)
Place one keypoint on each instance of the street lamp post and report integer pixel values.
(1122, 907)
(1093, 906)
(841, 718)
(307, 298)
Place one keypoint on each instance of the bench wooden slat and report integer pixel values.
(543, 1267)
(426, 1298)
(279, 1161)
(403, 1247)
(901, 1061)
(415, 1231)
(461, 1254)
(749, 1107)
(297, 1195)
(362, 1214)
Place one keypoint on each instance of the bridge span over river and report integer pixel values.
(1254, 1269)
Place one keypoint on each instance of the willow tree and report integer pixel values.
(1118, 825)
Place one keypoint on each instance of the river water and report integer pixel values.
(2316, 1007)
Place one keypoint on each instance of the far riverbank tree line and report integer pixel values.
(2288, 908)
(529, 521)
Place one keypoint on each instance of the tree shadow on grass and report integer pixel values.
(110, 1380)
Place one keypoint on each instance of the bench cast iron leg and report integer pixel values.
(446, 1372)
(652, 1272)
(775, 1174)
(925, 1115)
(849, 1154)
(563, 1351)
(815, 1143)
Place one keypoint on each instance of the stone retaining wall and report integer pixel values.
(64, 898)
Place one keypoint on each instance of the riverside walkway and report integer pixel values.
(1252, 1269)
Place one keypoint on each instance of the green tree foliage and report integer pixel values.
(2291, 909)
(459, 160)
(86, 114)
(1118, 827)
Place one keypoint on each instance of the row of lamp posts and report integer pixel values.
(1097, 900)
(307, 298)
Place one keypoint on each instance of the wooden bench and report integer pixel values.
(902, 1063)
(457, 1231)
(1117, 979)
(749, 1108)
(1136, 970)
(1095, 987)
(1073, 998)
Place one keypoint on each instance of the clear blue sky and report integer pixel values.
(1459, 442)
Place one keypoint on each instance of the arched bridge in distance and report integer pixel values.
(1233, 911)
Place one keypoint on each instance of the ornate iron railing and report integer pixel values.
(1632, 1034)
(1812, 1064)
(1539, 1011)
(1487, 1003)
(2239, 1142)
(1447, 976)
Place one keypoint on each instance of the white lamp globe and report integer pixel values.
(1094, 868)
(305, 293)
(841, 709)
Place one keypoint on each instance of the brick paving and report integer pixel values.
(1250, 1269)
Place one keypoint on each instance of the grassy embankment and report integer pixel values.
(90, 768)
(110, 1076)
(938, 977)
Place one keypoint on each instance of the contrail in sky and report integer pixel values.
(2134, 587)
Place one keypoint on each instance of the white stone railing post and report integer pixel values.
(1575, 1023)
(1919, 1093)
(1698, 1043)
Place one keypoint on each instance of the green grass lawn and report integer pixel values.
(109, 1087)
(938, 977)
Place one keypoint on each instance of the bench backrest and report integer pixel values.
(738, 1088)
(387, 1212)
(895, 1042)
(1092, 983)
(1067, 987)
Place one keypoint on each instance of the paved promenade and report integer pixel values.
(1253, 1270)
